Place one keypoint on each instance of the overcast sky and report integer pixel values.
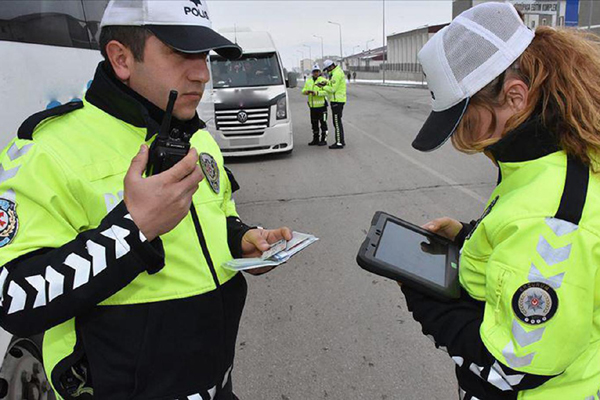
(293, 23)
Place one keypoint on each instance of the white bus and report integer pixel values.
(252, 112)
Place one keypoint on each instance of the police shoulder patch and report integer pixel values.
(535, 303)
(211, 171)
(9, 223)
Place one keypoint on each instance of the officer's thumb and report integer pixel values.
(262, 245)
(138, 164)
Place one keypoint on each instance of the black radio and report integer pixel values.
(169, 147)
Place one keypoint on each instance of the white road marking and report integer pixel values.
(419, 164)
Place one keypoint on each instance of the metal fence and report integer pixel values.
(399, 67)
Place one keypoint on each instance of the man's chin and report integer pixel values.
(185, 114)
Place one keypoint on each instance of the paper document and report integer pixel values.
(279, 253)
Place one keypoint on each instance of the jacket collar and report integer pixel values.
(530, 141)
(117, 99)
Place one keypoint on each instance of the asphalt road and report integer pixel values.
(319, 327)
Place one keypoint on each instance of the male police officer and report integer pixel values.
(336, 88)
(317, 103)
(131, 296)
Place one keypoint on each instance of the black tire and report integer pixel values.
(22, 374)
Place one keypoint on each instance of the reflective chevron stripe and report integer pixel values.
(211, 393)
(560, 227)
(536, 276)
(19, 297)
(14, 152)
(551, 255)
(52, 285)
(513, 360)
(502, 380)
(7, 174)
(525, 338)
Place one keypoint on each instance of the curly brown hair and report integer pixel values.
(562, 70)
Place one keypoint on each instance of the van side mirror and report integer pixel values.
(292, 80)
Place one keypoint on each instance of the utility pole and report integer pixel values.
(384, 48)
(309, 52)
(322, 55)
(590, 17)
(367, 45)
(340, 26)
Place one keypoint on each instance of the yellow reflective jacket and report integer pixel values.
(319, 99)
(73, 250)
(528, 326)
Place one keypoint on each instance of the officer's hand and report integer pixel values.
(256, 241)
(158, 203)
(446, 227)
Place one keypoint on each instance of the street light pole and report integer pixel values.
(301, 66)
(590, 17)
(309, 52)
(340, 26)
(367, 45)
(384, 37)
(320, 37)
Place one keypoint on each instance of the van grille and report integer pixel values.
(242, 122)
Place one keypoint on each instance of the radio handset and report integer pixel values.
(169, 147)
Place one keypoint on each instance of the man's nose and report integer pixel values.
(199, 70)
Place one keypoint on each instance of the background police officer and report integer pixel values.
(317, 103)
(132, 298)
(336, 89)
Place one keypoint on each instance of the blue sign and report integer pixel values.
(572, 14)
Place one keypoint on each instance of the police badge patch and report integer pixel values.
(9, 223)
(211, 171)
(535, 303)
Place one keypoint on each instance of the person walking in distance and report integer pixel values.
(317, 103)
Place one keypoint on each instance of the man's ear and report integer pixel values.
(121, 59)
(517, 94)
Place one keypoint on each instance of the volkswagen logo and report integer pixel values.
(242, 117)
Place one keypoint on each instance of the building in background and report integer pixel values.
(306, 65)
(403, 47)
(583, 14)
(366, 61)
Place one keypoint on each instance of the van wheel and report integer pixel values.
(22, 375)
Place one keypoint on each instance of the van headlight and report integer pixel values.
(282, 108)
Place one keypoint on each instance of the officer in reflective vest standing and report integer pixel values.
(317, 102)
(336, 88)
(130, 295)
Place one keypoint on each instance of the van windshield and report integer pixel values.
(250, 70)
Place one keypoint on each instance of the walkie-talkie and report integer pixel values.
(169, 147)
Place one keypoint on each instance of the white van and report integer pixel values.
(252, 113)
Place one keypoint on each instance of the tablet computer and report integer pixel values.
(404, 252)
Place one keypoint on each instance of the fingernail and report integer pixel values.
(143, 148)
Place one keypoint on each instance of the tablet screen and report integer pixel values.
(404, 248)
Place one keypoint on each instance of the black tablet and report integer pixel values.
(404, 252)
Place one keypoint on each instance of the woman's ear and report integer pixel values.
(517, 94)
(121, 59)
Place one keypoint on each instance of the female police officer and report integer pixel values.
(528, 323)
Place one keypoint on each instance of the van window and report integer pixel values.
(250, 70)
(94, 10)
(67, 23)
